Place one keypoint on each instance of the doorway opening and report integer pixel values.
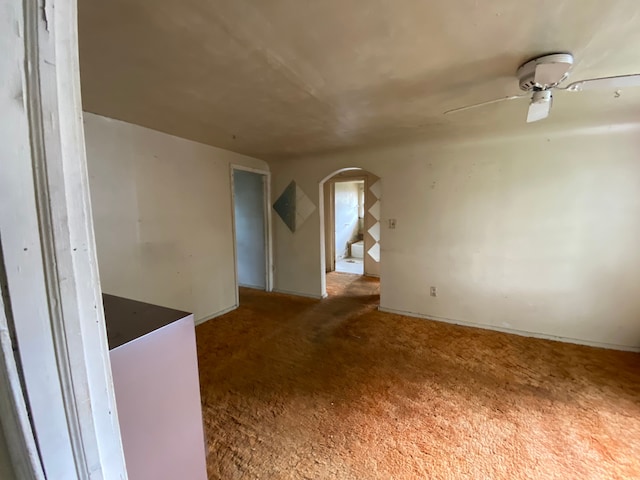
(348, 228)
(251, 228)
(350, 201)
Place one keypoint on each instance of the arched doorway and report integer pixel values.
(354, 235)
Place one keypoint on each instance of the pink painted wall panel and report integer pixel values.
(158, 398)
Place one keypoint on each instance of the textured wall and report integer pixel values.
(163, 218)
(534, 234)
(6, 469)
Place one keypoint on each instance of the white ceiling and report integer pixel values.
(281, 78)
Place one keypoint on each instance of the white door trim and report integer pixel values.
(330, 234)
(52, 285)
(16, 427)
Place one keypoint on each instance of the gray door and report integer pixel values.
(249, 209)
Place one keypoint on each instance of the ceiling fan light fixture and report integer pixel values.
(540, 105)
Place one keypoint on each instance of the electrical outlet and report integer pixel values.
(433, 291)
(392, 223)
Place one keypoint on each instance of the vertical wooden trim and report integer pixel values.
(233, 233)
(52, 283)
(42, 151)
(15, 425)
(365, 244)
(269, 232)
(330, 236)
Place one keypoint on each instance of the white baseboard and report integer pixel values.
(522, 333)
(214, 315)
(298, 294)
(254, 287)
(370, 275)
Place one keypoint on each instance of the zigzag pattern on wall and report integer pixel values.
(374, 230)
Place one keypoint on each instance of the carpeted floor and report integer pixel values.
(295, 388)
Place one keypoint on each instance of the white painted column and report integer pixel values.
(52, 294)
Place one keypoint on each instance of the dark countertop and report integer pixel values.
(129, 319)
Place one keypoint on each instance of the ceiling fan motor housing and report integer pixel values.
(544, 73)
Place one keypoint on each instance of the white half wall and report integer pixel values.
(163, 216)
(536, 234)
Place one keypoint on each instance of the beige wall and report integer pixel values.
(530, 234)
(6, 468)
(162, 213)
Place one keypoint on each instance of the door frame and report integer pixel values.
(332, 214)
(268, 247)
(58, 409)
(330, 226)
(322, 215)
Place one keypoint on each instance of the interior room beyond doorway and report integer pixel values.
(350, 223)
(349, 226)
(251, 228)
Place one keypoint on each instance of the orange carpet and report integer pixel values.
(295, 388)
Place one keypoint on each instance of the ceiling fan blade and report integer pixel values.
(469, 107)
(540, 106)
(612, 83)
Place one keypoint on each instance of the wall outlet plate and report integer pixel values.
(392, 223)
(433, 291)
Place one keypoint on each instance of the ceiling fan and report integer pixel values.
(540, 76)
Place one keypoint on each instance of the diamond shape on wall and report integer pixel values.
(293, 206)
(304, 207)
(375, 210)
(374, 252)
(285, 206)
(374, 231)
